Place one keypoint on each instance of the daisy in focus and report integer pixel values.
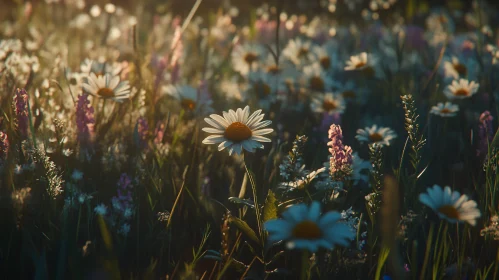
(302, 227)
(107, 87)
(381, 135)
(461, 89)
(450, 205)
(328, 103)
(446, 109)
(237, 130)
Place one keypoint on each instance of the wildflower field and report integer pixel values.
(217, 139)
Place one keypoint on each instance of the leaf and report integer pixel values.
(270, 207)
(245, 228)
(246, 202)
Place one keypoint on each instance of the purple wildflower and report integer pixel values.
(21, 109)
(84, 120)
(4, 145)
(485, 133)
(142, 131)
(159, 133)
(341, 155)
(122, 203)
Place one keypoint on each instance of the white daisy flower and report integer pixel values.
(316, 79)
(363, 61)
(461, 89)
(246, 58)
(302, 227)
(325, 58)
(446, 109)
(381, 135)
(237, 130)
(299, 52)
(264, 87)
(450, 205)
(302, 183)
(107, 87)
(189, 98)
(328, 103)
(454, 68)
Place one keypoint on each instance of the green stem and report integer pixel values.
(255, 200)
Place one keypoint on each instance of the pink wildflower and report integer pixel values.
(341, 155)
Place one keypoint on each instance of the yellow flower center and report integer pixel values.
(375, 137)
(250, 57)
(460, 69)
(105, 92)
(360, 64)
(237, 132)
(307, 230)
(445, 111)
(188, 104)
(325, 62)
(302, 52)
(274, 69)
(449, 211)
(316, 83)
(461, 92)
(329, 105)
(348, 94)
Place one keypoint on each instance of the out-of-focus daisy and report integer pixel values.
(302, 227)
(456, 68)
(265, 87)
(461, 89)
(363, 62)
(246, 58)
(107, 87)
(381, 135)
(189, 98)
(237, 130)
(303, 182)
(316, 79)
(328, 103)
(325, 58)
(446, 109)
(450, 205)
(299, 52)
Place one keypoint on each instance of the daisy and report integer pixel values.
(445, 110)
(324, 58)
(316, 79)
(450, 205)
(189, 98)
(246, 58)
(299, 52)
(461, 89)
(381, 135)
(237, 130)
(265, 87)
(107, 87)
(454, 68)
(328, 103)
(302, 227)
(302, 183)
(362, 62)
